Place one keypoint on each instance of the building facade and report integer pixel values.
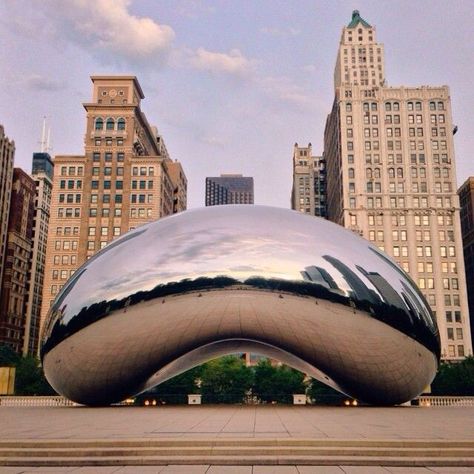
(42, 173)
(121, 182)
(7, 155)
(391, 178)
(17, 261)
(308, 194)
(229, 189)
(466, 199)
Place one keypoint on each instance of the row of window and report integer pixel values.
(104, 231)
(70, 184)
(120, 156)
(72, 170)
(110, 123)
(69, 212)
(62, 274)
(109, 141)
(450, 332)
(65, 259)
(65, 244)
(395, 106)
(447, 283)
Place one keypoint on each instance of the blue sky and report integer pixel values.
(231, 85)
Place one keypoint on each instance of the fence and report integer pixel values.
(52, 401)
(427, 401)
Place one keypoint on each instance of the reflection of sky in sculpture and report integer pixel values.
(234, 241)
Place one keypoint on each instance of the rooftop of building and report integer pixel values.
(356, 19)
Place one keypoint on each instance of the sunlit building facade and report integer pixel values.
(391, 177)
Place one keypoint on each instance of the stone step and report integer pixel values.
(240, 460)
(237, 451)
(228, 442)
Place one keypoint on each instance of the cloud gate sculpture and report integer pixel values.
(177, 292)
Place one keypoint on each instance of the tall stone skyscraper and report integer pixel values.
(122, 181)
(7, 155)
(308, 194)
(17, 261)
(42, 173)
(391, 176)
(229, 189)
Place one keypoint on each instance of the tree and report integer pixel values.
(322, 394)
(29, 378)
(8, 357)
(455, 378)
(176, 390)
(225, 380)
(277, 383)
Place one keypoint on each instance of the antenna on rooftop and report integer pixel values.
(45, 142)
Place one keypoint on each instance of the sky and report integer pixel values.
(230, 84)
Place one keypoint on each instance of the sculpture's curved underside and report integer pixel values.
(208, 282)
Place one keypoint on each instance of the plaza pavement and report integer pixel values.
(346, 423)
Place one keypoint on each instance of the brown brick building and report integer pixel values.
(17, 259)
(124, 179)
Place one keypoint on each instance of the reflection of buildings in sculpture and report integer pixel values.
(321, 277)
(125, 179)
(386, 290)
(360, 291)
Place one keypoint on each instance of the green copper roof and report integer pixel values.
(356, 19)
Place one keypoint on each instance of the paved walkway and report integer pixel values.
(238, 421)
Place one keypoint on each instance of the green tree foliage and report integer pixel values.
(322, 394)
(29, 377)
(225, 380)
(176, 390)
(277, 383)
(8, 357)
(455, 378)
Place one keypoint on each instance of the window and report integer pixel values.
(99, 124)
(110, 124)
(95, 156)
(121, 124)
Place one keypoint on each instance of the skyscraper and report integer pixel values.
(466, 198)
(122, 181)
(17, 260)
(7, 155)
(42, 173)
(308, 194)
(229, 189)
(391, 176)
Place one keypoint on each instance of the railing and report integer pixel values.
(448, 401)
(33, 401)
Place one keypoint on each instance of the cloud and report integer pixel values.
(107, 26)
(41, 83)
(213, 140)
(285, 32)
(285, 90)
(233, 63)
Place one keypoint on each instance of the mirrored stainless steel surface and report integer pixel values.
(207, 282)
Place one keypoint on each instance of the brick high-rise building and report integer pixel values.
(17, 260)
(122, 181)
(42, 172)
(389, 155)
(308, 194)
(466, 198)
(7, 155)
(229, 189)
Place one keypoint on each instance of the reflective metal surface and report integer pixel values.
(207, 282)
